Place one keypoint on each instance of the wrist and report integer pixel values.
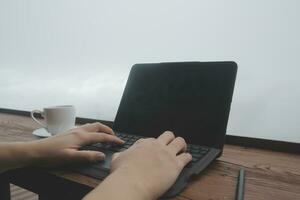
(29, 152)
(134, 182)
(120, 184)
(17, 154)
(123, 183)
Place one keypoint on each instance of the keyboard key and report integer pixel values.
(194, 151)
(99, 145)
(106, 145)
(197, 156)
(116, 147)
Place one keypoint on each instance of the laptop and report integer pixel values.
(191, 99)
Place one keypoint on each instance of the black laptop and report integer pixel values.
(192, 99)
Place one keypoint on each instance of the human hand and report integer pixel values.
(146, 170)
(156, 163)
(64, 148)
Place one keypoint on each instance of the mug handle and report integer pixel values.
(36, 120)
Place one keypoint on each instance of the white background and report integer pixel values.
(80, 52)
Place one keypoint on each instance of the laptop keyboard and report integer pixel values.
(196, 151)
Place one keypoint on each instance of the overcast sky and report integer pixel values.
(74, 52)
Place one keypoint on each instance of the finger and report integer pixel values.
(87, 156)
(177, 145)
(139, 141)
(95, 137)
(144, 140)
(114, 156)
(184, 159)
(166, 137)
(97, 127)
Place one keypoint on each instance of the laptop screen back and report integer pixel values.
(192, 99)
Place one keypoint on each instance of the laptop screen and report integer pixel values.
(192, 99)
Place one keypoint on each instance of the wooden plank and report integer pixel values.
(269, 174)
(262, 159)
(18, 193)
(16, 128)
(219, 182)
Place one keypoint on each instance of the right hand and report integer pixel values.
(154, 163)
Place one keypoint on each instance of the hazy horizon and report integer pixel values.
(74, 52)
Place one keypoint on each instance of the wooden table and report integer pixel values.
(269, 174)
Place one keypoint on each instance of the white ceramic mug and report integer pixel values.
(58, 119)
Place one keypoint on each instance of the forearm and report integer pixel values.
(15, 155)
(120, 185)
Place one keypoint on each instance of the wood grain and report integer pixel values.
(18, 193)
(269, 174)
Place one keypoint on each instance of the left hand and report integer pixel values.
(64, 148)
